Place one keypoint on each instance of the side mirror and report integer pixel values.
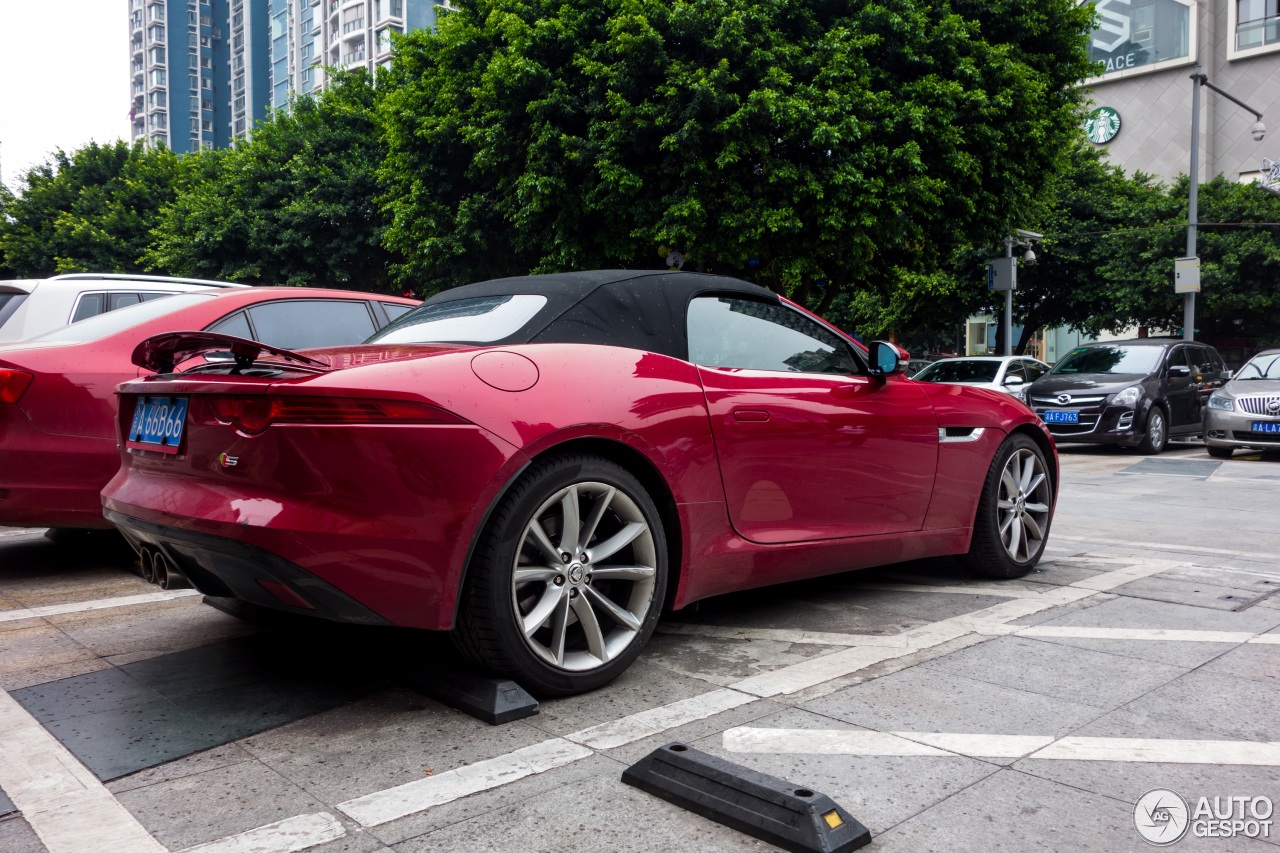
(1014, 380)
(887, 359)
(1179, 370)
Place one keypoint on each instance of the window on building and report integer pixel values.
(157, 55)
(206, 83)
(1135, 34)
(1257, 23)
(158, 77)
(155, 12)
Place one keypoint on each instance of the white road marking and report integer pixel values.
(1269, 639)
(1264, 753)
(412, 797)
(1162, 546)
(283, 836)
(1045, 747)
(1152, 634)
(642, 724)
(823, 742)
(66, 805)
(859, 742)
(20, 613)
(782, 635)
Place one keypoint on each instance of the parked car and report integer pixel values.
(540, 464)
(1245, 412)
(1135, 393)
(31, 307)
(57, 393)
(1010, 374)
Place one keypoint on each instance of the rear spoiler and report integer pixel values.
(159, 353)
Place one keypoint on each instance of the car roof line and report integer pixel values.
(160, 279)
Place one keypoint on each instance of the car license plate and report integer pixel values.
(1264, 426)
(1061, 417)
(158, 422)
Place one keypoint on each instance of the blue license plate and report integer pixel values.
(158, 422)
(1062, 417)
(1264, 426)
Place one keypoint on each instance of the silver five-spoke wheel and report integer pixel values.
(583, 578)
(1023, 505)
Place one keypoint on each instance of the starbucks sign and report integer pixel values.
(1102, 125)
(1142, 34)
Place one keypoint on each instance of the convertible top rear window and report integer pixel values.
(481, 320)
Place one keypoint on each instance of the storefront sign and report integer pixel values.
(1102, 125)
(1132, 34)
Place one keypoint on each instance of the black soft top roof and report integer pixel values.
(644, 310)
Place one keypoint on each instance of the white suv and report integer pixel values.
(33, 306)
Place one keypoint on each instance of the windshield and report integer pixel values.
(481, 320)
(94, 328)
(960, 371)
(1265, 366)
(1110, 360)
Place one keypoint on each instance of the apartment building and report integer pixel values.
(203, 72)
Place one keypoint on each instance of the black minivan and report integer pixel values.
(1134, 393)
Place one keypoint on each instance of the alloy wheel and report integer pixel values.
(584, 576)
(1023, 505)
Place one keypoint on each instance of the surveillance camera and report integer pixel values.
(1259, 131)
(1030, 256)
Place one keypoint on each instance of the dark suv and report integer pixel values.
(1134, 393)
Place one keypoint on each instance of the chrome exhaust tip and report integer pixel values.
(167, 574)
(146, 558)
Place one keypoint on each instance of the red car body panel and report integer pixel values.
(58, 442)
(388, 514)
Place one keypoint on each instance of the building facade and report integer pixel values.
(1151, 47)
(1143, 100)
(203, 72)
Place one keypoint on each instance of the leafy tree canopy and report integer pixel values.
(291, 206)
(807, 146)
(91, 210)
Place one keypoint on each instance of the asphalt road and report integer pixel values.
(944, 712)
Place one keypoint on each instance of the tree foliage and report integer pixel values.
(91, 210)
(1106, 263)
(293, 205)
(807, 146)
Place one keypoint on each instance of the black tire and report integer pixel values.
(1156, 436)
(989, 551)
(489, 629)
(1219, 452)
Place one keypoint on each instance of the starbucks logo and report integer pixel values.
(1102, 125)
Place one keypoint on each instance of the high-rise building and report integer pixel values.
(358, 33)
(204, 71)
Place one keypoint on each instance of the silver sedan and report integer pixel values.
(1246, 411)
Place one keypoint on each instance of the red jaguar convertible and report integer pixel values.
(542, 464)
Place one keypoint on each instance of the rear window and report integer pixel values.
(9, 303)
(303, 323)
(960, 371)
(1117, 360)
(99, 327)
(481, 320)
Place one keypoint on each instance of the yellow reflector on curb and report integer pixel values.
(833, 819)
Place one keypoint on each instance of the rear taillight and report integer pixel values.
(12, 384)
(256, 413)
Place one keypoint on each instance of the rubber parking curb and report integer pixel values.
(765, 807)
(495, 701)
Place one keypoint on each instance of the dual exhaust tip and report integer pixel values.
(160, 570)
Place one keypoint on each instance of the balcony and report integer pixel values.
(352, 26)
(353, 56)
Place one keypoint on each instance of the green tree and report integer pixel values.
(807, 146)
(90, 210)
(293, 205)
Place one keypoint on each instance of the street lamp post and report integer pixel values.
(1024, 240)
(1198, 79)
